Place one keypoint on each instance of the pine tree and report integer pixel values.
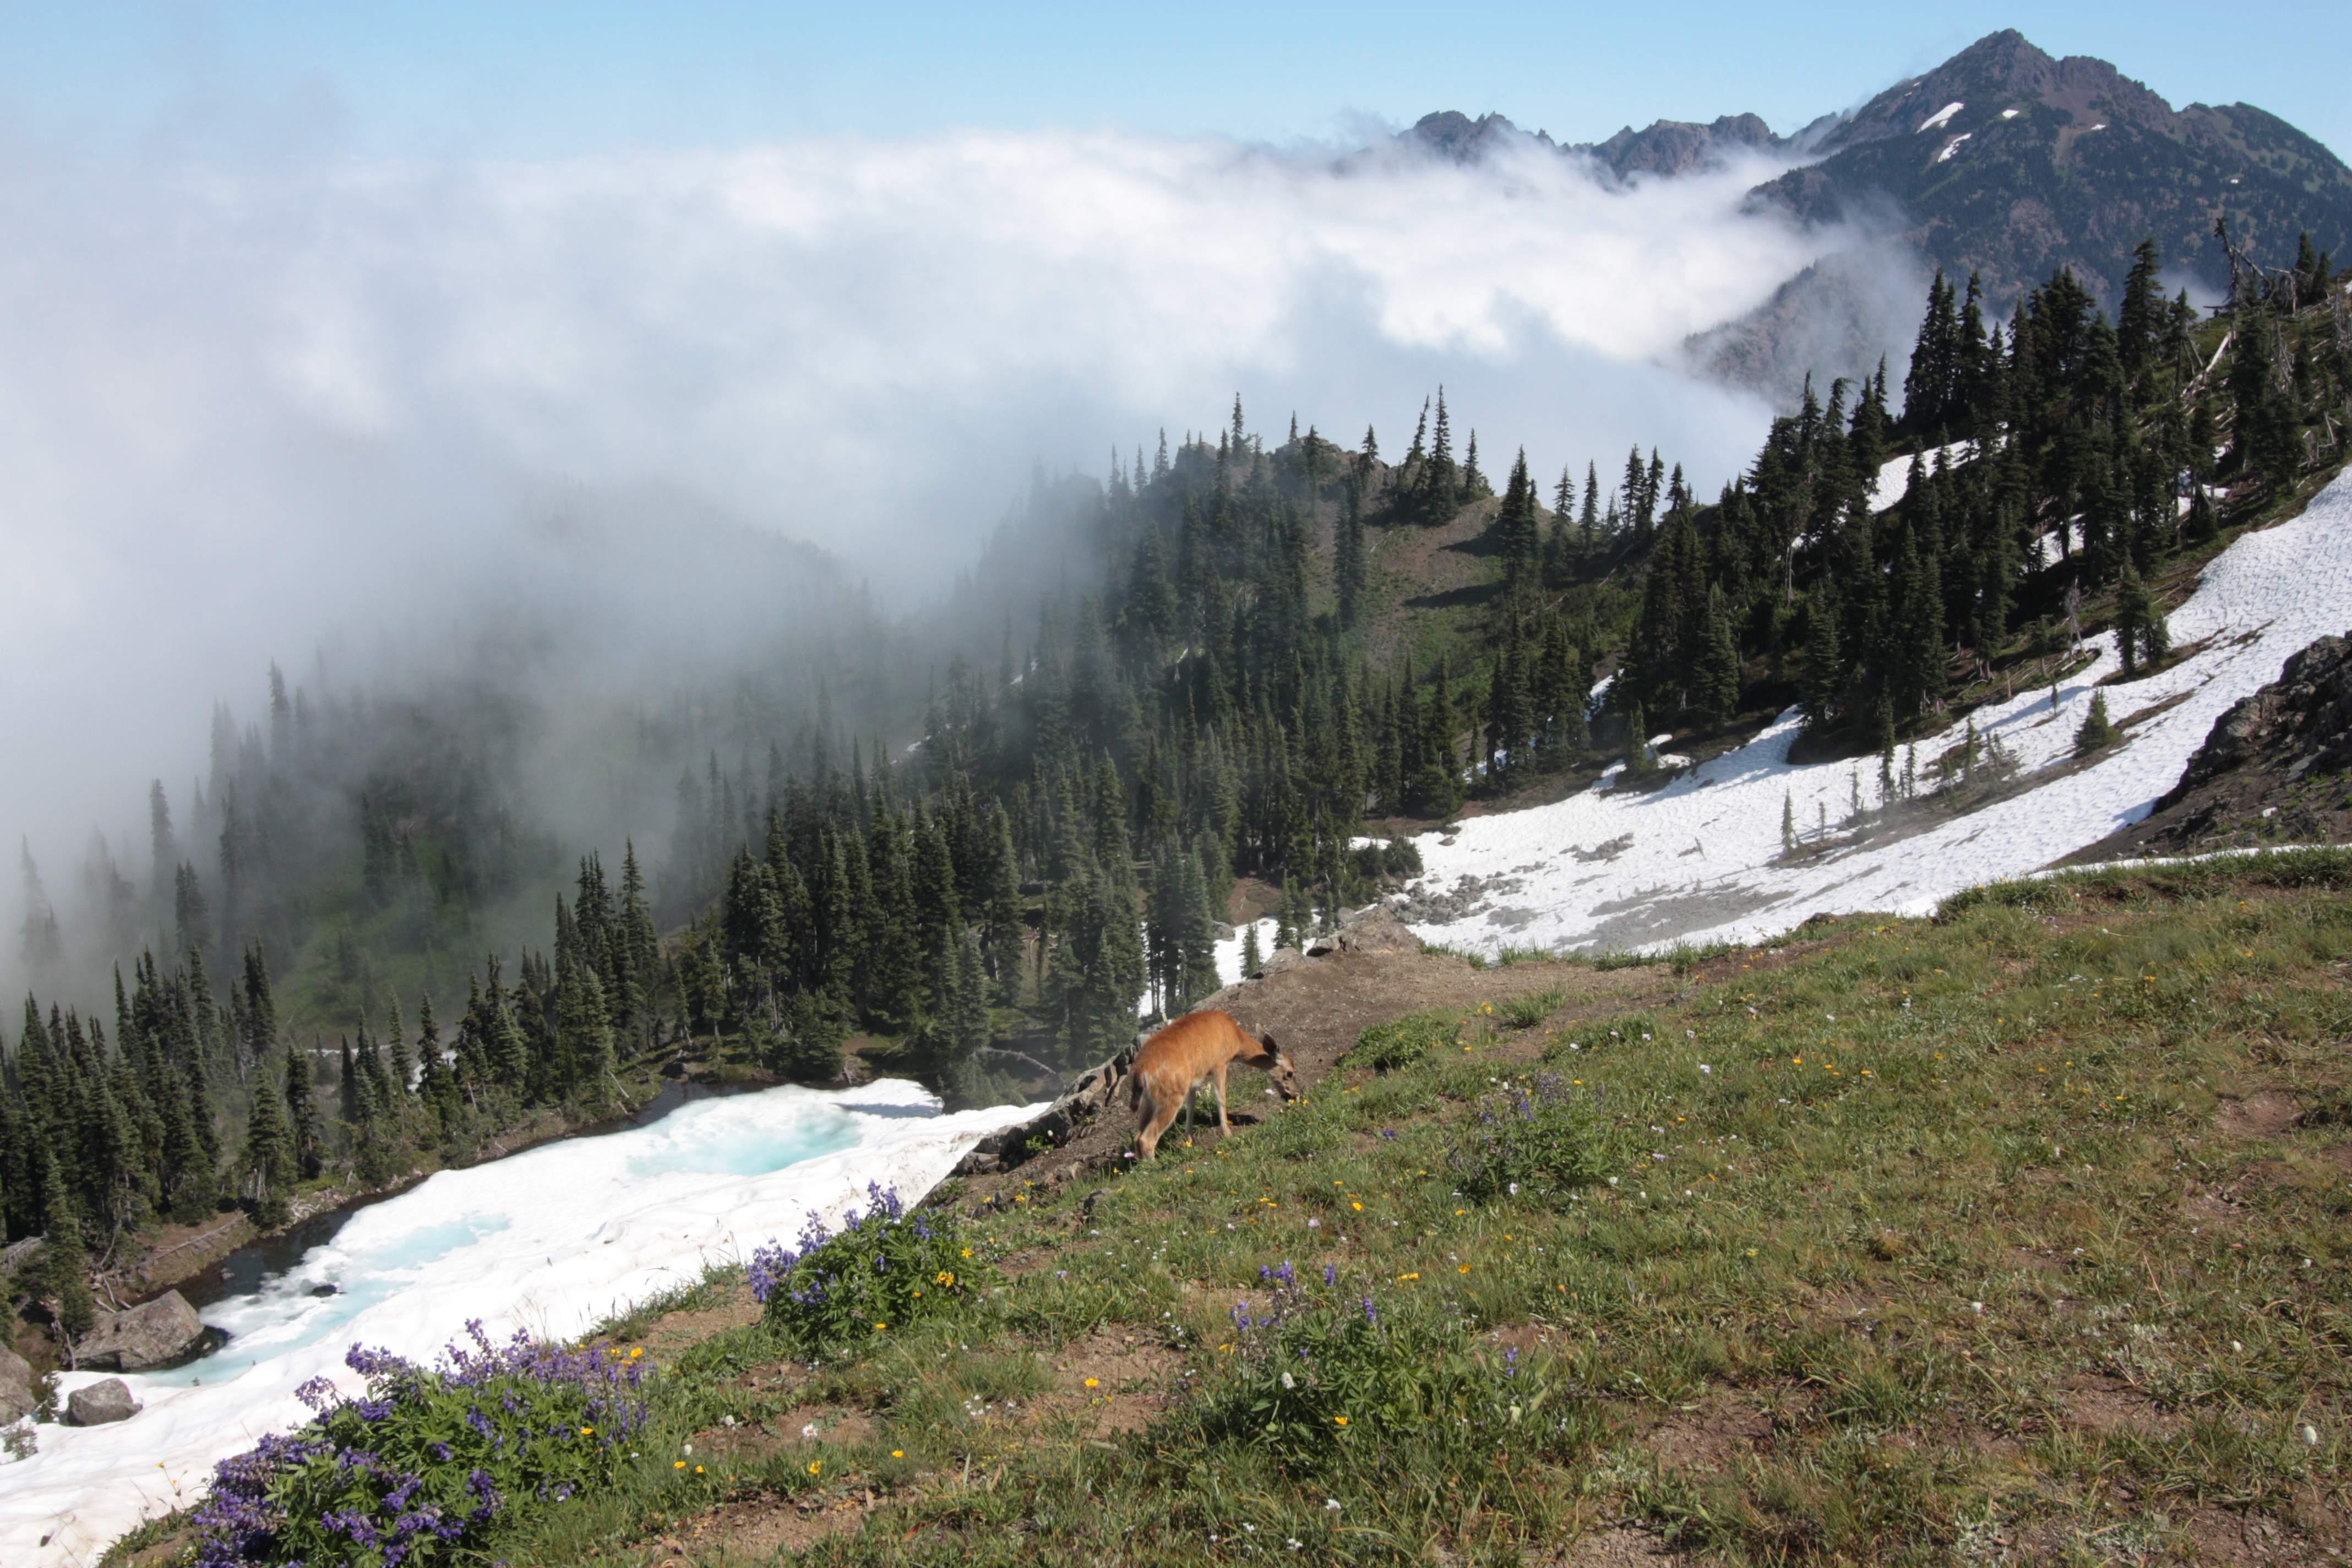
(1347, 567)
(268, 1162)
(1253, 958)
(1715, 685)
(2096, 732)
(306, 1144)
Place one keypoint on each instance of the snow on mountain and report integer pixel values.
(1941, 118)
(1701, 858)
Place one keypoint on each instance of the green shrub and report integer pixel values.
(1540, 1137)
(883, 1270)
(1319, 1370)
(1527, 1011)
(1403, 1042)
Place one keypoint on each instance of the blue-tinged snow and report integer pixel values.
(1702, 859)
(551, 1240)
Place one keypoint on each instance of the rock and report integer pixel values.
(1282, 958)
(15, 1387)
(100, 1402)
(1378, 929)
(149, 1335)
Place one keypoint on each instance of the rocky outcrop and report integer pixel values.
(1016, 1145)
(16, 1397)
(2271, 770)
(153, 1334)
(1378, 928)
(2300, 722)
(101, 1403)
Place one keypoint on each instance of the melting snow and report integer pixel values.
(1700, 859)
(2010, 113)
(551, 1240)
(1941, 117)
(1893, 480)
(1953, 145)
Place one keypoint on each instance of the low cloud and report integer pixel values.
(313, 409)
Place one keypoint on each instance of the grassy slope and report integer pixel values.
(2017, 1236)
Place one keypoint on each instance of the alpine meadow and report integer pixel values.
(1731, 742)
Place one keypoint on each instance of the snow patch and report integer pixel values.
(1703, 857)
(2010, 113)
(551, 1240)
(1953, 145)
(1941, 117)
(1894, 481)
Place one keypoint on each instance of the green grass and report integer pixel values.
(1874, 1245)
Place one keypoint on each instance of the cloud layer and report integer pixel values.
(259, 415)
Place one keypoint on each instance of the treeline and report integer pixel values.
(2070, 459)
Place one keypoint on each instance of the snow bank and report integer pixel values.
(1894, 481)
(1698, 860)
(552, 1240)
(1942, 117)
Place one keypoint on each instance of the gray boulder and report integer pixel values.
(16, 1387)
(151, 1334)
(1378, 929)
(100, 1403)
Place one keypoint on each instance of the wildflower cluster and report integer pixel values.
(883, 1269)
(421, 1466)
(1540, 1134)
(1313, 1368)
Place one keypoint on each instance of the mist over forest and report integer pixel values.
(587, 471)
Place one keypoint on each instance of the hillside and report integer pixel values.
(2013, 1234)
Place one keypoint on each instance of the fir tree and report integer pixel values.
(2096, 733)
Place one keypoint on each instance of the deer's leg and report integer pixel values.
(1157, 1117)
(1222, 1125)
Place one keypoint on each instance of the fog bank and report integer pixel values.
(338, 415)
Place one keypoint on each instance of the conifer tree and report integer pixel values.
(305, 1143)
(268, 1162)
(2096, 733)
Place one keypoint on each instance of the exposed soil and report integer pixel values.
(2104, 1405)
(2265, 1113)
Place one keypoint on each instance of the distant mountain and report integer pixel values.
(2008, 163)
(1667, 147)
(2003, 161)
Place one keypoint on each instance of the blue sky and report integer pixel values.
(539, 79)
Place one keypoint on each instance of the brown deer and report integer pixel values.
(1173, 1062)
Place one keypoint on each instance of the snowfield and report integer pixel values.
(1701, 860)
(551, 1240)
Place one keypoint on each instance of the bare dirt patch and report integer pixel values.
(676, 1330)
(1120, 1381)
(756, 1530)
(1718, 1431)
(2103, 1404)
(1620, 1546)
(2266, 1113)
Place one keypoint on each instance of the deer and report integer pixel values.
(1172, 1063)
